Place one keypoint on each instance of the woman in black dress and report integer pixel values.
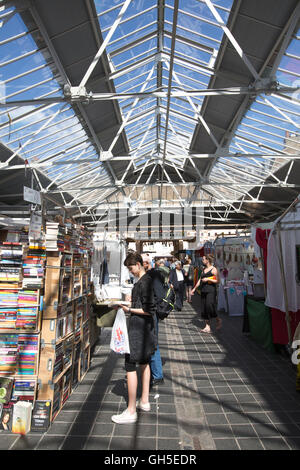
(142, 339)
(209, 279)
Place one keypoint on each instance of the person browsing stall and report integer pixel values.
(142, 339)
(176, 280)
(159, 291)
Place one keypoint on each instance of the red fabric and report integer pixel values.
(261, 237)
(279, 326)
(200, 252)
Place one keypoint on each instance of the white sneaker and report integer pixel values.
(143, 406)
(125, 417)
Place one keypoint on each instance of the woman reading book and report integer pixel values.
(208, 284)
(142, 339)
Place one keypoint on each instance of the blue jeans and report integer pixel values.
(155, 361)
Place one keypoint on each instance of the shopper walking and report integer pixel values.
(208, 284)
(164, 269)
(176, 280)
(188, 279)
(142, 339)
(159, 291)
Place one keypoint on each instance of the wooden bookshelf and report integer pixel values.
(65, 321)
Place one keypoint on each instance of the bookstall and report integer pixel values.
(110, 278)
(65, 346)
(21, 283)
(44, 319)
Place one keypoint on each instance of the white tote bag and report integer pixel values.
(119, 336)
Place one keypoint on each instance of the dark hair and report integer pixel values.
(210, 258)
(133, 258)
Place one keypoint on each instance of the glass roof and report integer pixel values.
(146, 58)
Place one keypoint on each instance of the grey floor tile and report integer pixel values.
(212, 408)
(226, 444)
(288, 429)
(243, 430)
(250, 444)
(26, 442)
(102, 429)
(50, 442)
(168, 444)
(217, 418)
(97, 443)
(73, 443)
(167, 431)
(293, 442)
(266, 430)
(237, 418)
(7, 440)
(221, 430)
(59, 429)
(66, 416)
(275, 443)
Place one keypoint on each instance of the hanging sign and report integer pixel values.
(31, 195)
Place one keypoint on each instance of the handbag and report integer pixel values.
(119, 342)
(105, 315)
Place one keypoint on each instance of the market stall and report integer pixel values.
(235, 260)
(110, 277)
(283, 274)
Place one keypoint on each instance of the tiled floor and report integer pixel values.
(221, 391)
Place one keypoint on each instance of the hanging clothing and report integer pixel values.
(261, 238)
(275, 296)
(105, 273)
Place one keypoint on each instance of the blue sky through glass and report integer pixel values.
(270, 125)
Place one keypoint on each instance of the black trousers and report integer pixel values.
(180, 290)
(208, 305)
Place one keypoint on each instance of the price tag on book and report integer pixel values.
(31, 195)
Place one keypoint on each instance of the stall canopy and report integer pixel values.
(164, 104)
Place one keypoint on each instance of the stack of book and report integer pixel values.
(33, 266)
(28, 298)
(9, 298)
(69, 236)
(8, 318)
(85, 308)
(68, 350)
(85, 333)
(23, 390)
(28, 352)
(66, 385)
(67, 262)
(56, 398)
(10, 275)
(8, 354)
(10, 262)
(76, 283)
(66, 294)
(78, 324)
(55, 236)
(59, 360)
(27, 318)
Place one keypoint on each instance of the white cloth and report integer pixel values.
(289, 238)
(179, 275)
